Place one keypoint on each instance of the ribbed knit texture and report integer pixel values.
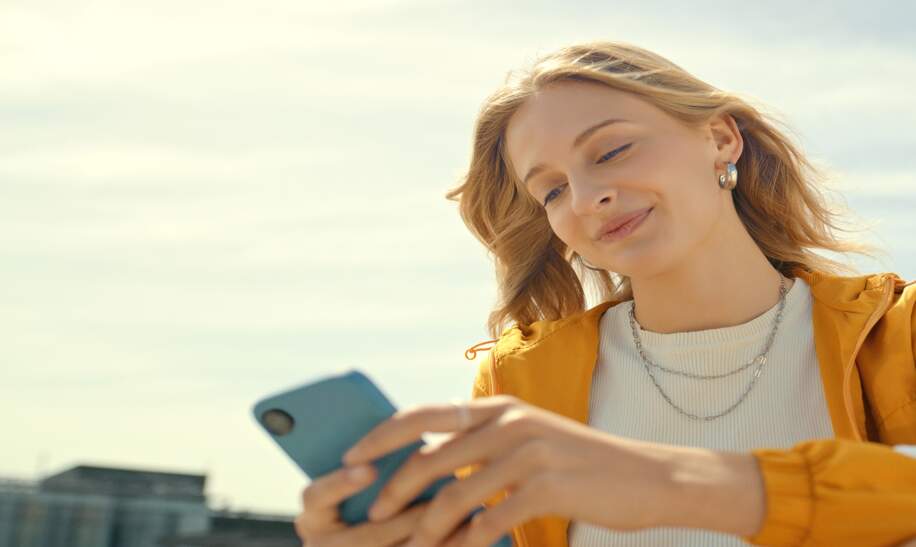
(785, 406)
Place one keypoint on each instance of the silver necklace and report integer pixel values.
(760, 360)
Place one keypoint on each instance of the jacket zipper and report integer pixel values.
(872, 320)
(470, 354)
(523, 540)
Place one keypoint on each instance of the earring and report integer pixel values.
(729, 180)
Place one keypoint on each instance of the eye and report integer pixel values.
(549, 197)
(614, 152)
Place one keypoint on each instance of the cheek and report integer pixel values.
(693, 218)
(567, 228)
(692, 200)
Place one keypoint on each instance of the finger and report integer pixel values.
(457, 538)
(406, 426)
(394, 531)
(451, 505)
(321, 498)
(461, 537)
(431, 462)
(488, 526)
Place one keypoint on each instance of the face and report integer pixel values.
(648, 167)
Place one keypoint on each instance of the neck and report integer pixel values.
(727, 281)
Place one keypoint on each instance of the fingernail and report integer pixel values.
(359, 473)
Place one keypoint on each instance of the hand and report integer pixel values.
(319, 524)
(548, 463)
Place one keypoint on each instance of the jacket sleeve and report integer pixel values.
(838, 492)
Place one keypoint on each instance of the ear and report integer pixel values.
(727, 138)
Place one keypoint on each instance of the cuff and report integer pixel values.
(789, 498)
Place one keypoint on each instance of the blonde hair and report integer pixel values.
(777, 198)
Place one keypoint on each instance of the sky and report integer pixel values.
(199, 207)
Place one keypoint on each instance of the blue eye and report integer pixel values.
(548, 197)
(614, 152)
(605, 157)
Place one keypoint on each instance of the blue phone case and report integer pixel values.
(316, 422)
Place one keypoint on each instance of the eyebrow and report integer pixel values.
(576, 143)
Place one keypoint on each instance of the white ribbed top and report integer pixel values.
(785, 406)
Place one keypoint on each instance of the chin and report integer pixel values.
(642, 262)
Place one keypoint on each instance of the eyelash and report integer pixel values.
(608, 156)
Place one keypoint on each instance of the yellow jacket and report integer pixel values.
(858, 489)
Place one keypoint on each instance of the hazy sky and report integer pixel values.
(202, 204)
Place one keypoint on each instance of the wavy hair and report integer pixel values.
(779, 198)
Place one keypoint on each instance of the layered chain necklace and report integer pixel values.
(760, 360)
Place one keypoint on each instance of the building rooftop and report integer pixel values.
(114, 481)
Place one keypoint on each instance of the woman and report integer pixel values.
(731, 387)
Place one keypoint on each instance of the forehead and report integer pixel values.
(548, 121)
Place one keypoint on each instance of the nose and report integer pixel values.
(590, 196)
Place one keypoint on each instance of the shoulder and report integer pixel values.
(521, 344)
(901, 309)
(858, 292)
(521, 338)
(905, 290)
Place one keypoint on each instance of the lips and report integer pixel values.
(620, 220)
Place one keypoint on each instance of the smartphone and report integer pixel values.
(316, 422)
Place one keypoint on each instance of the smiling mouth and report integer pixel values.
(626, 228)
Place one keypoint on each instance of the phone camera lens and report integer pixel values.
(277, 422)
